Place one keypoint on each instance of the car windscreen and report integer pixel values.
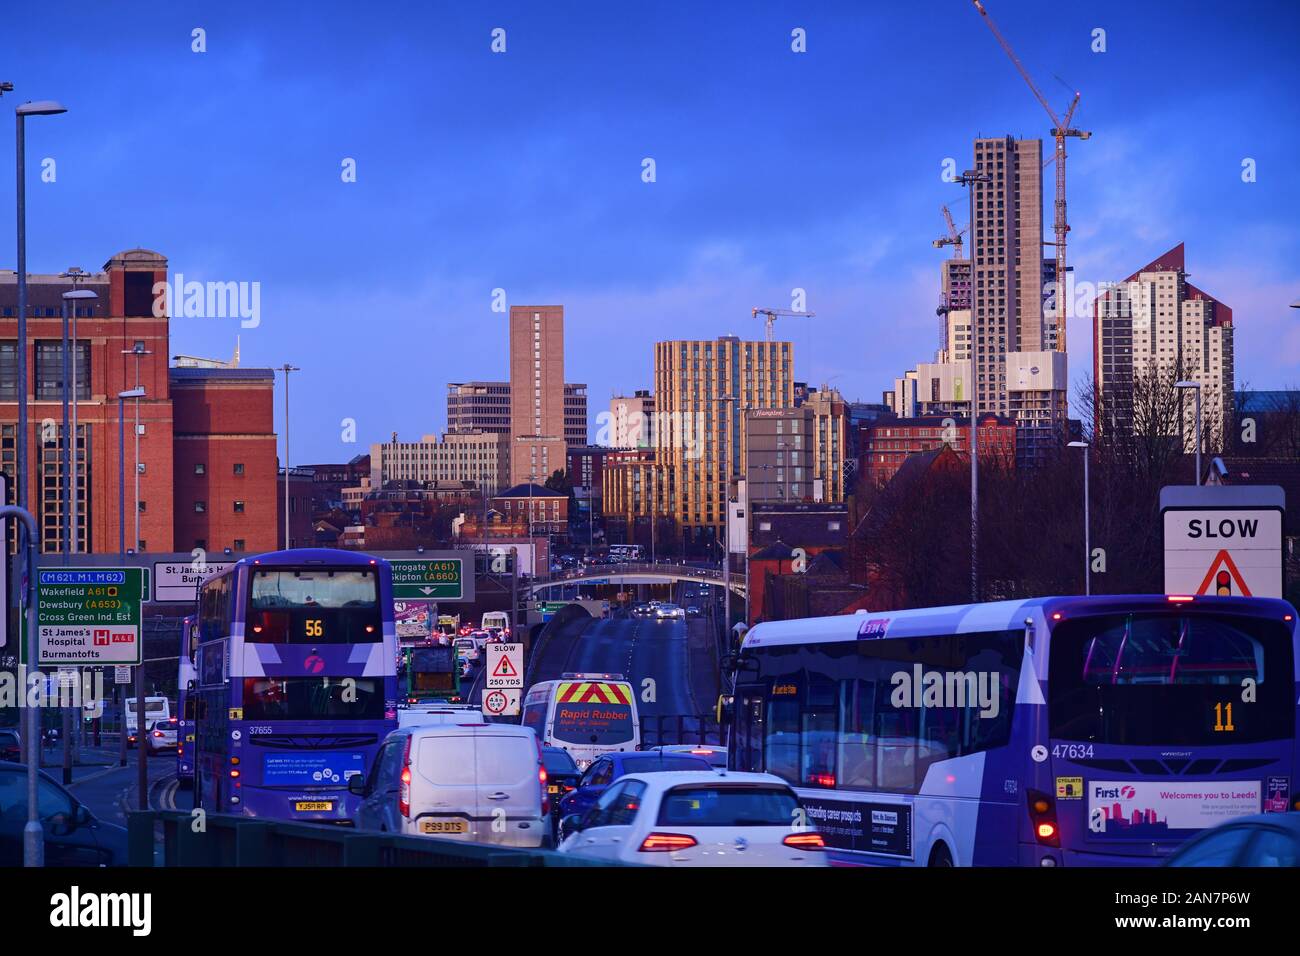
(1171, 679)
(558, 761)
(313, 698)
(314, 606)
(715, 805)
(657, 764)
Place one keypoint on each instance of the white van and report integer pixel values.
(155, 709)
(586, 714)
(471, 781)
(497, 619)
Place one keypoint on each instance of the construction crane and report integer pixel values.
(1061, 129)
(771, 315)
(954, 235)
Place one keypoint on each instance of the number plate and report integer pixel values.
(552, 788)
(305, 805)
(444, 826)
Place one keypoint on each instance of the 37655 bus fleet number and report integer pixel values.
(259, 730)
(1072, 751)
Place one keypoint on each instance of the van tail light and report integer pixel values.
(546, 797)
(805, 841)
(404, 792)
(1042, 816)
(663, 842)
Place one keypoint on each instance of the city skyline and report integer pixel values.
(228, 163)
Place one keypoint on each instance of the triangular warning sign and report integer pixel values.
(1224, 577)
(504, 668)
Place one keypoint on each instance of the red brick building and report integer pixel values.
(120, 319)
(224, 459)
(884, 445)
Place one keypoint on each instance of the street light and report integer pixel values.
(70, 300)
(1087, 540)
(1197, 387)
(39, 108)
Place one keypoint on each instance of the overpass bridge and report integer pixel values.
(638, 573)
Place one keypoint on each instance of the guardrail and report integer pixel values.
(667, 729)
(168, 838)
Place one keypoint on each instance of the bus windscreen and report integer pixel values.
(1171, 679)
(313, 606)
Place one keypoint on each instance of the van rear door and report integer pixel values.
(445, 801)
(509, 790)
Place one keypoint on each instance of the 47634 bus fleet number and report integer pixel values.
(1072, 751)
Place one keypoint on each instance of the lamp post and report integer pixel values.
(1087, 525)
(1195, 386)
(39, 108)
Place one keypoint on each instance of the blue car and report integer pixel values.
(610, 767)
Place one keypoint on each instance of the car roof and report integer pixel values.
(654, 754)
(460, 729)
(676, 778)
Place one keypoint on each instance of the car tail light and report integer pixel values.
(663, 842)
(157, 733)
(1042, 814)
(805, 841)
(404, 793)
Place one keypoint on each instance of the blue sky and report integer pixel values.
(522, 171)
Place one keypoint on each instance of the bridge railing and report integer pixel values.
(169, 838)
(666, 729)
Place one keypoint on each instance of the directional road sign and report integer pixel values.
(88, 615)
(437, 579)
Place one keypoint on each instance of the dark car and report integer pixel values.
(1266, 839)
(562, 776)
(643, 610)
(605, 770)
(73, 835)
(10, 749)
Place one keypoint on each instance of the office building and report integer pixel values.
(703, 389)
(631, 420)
(477, 457)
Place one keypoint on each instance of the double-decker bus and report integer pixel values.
(186, 695)
(429, 672)
(297, 682)
(1057, 731)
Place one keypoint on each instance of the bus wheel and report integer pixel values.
(940, 856)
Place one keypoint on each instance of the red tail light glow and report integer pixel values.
(1179, 598)
(663, 842)
(805, 841)
(404, 793)
(822, 779)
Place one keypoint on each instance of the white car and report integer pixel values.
(670, 611)
(162, 736)
(467, 649)
(689, 818)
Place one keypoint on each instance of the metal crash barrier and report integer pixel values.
(168, 838)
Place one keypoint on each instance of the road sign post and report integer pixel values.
(1222, 540)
